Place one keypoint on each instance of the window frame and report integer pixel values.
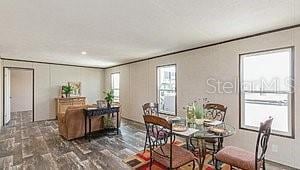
(111, 84)
(157, 88)
(292, 95)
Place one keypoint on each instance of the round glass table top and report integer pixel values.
(217, 131)
(212, 129)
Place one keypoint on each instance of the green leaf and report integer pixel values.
(109, 96)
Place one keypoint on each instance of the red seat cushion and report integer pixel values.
(180, 156)
(161, 133)
(237, 157)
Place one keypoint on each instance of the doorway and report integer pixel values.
(18, 95)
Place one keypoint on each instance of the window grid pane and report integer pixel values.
(259, 107)
(115, 85)
(166, 86)
(267, 89)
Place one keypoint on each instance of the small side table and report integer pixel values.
(93, 112)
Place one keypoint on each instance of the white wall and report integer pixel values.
(138, 85)
(48, 79)
(1, 98)
(21, 89)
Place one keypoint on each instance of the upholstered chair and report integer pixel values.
(152, 109)
(239, 158)
(167, 154)
(215, 112)
(71, 124)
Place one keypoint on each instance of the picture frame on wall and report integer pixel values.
(76, 89)
(76, 86)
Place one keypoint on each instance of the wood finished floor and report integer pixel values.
(37, 145)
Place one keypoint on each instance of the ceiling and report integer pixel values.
(119, 31)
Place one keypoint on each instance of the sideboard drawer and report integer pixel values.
(78, 103)
(63, 103)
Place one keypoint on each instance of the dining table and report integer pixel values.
(196, 133)
(217, 132)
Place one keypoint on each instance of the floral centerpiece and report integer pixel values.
(195, 111)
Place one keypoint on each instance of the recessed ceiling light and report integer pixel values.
(83, 52)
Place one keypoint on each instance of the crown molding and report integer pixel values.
(209, 45)
(42, 62)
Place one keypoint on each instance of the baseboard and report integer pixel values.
(132, 120)
(276, 163)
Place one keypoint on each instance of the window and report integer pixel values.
(115, 86)
(266, 89)
(166, 89)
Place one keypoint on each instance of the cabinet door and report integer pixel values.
(63, 106)
(78, 102)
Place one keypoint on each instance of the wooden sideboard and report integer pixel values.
(63, 103)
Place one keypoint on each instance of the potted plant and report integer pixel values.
(195, 111)
(109, 97)
(67, 90)
(108, 122)
(198, 112)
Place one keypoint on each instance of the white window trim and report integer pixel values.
(291, 103)
(157, 89)
(111, 85)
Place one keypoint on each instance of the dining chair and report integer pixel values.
(167, 154)
(239, 158)
(152, 109)
(215, 112)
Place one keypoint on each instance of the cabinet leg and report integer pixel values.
(85, 126)
(90, 129)
(117, 123)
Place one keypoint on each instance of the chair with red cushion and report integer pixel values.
(152, 109)
(236, 157)
(215, 112)
(167, 154)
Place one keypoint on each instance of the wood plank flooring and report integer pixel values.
(37, 145)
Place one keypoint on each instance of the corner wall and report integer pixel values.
(1, 94)
(221, 62)
(47, 82)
